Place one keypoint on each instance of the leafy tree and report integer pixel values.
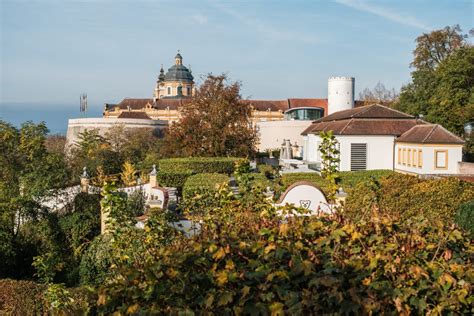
(442, 87)
(379, 94)
(432, 48)
(214, 123)
(330, 159)
(128, 175)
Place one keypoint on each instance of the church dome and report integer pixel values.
(179, 73)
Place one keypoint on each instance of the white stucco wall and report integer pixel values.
(272, 133)
(454, 156)
(76, 126)
(379, 150)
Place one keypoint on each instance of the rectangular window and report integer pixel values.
(404, 156)
(414, 160)
(409, 157)
(420, 158)
(441, 159)
(188, 91)
(358, 156)
(169, 90)
(399, 156)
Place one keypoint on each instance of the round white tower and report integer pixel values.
(340, 93)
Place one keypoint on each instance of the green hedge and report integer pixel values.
(203, 182)
(402, 197)
(288, 179)
(348, 179)
(465, 217)
(175, 179)
(199, 164)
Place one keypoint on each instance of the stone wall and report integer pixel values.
(76, 126)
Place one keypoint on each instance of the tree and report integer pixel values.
(214, 123)
(330, 159)
(442, 87)
(128, 175)
(432, 48)
(379, 94)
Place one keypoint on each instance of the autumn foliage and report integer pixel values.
(215, 123)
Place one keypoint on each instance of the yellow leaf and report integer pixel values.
(245, 291)
(209, 301)
(101, 300)
(270, 248)
(284, 229)
(219, 254)
(299, 245)
(356, 235)
(221, 278)
(133, 309)
(276, 308)
(229, 265)
(171, 273)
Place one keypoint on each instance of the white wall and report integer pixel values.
(454, 156)
(340, 94)
(76, 126)
(272, 133)
(379, 150)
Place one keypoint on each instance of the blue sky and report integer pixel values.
(51, 51)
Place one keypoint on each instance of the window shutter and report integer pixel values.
(358, 156)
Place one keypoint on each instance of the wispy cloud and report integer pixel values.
(268, 31)
(200, 18)
(385, 13)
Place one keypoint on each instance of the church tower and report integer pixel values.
(177, 83)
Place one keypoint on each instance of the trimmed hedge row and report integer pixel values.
(203, 182)
(348, 179)
(21, 298)
(175, 179)
(199, 164)
(403, 197)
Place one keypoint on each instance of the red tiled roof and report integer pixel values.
(134, 104)
(374, 111)
(356, 126)
(264, 105)
(172, 104)
(134, 115)
(310, 103)
(429, 134)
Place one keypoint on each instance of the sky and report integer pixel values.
(52, 51)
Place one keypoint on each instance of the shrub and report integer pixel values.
(403, 197)
(350, 179)
(199, 164)
(21, 298)
(204, 182)
(288, 179)
(267, 170)
(175, 179)
(252, 263)
(465, 217)
(96, 261)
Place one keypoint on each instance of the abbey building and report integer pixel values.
(176, 87)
